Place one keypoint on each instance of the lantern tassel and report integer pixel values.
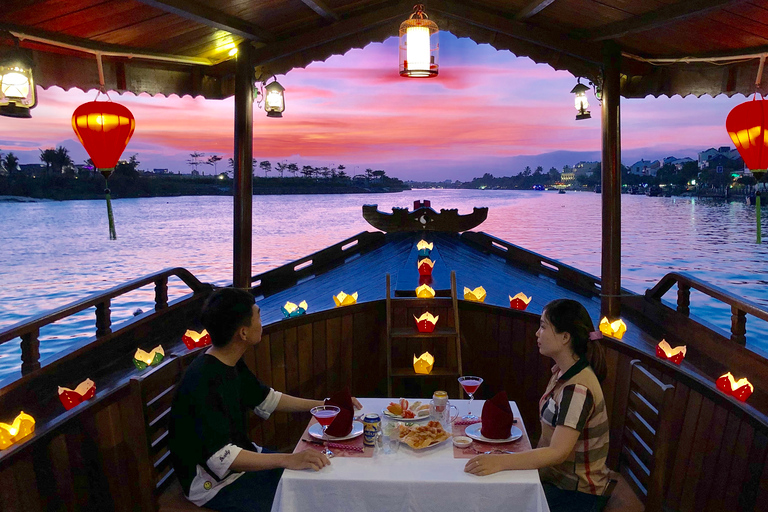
(757, 216)
(110, 217)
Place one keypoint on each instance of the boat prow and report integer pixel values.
(423, 218)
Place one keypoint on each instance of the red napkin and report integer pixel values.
(497, 417)
(342, 425)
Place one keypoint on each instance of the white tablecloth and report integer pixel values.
(409, 481)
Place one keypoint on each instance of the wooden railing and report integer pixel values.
(29, 330)
(565, 275)
(293, 272)
(739, 307)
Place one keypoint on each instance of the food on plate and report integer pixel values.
(423, 435)
(407, 411)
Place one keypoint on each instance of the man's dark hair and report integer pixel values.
(224, 312)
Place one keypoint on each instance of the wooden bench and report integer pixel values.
(150, 404)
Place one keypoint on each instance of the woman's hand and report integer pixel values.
(484, 465)
(307, 459)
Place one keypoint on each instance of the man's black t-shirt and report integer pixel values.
(209, 413)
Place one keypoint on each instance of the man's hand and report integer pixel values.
(308, 459)
(356, 403)
(483, 465)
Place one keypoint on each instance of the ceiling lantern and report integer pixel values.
(17, 85)
(580, 90)
(419, 46)
(746, 127)
(274, 103)
(104, 129)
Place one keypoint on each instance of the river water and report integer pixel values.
(54, 253)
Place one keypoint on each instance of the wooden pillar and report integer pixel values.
(243, 188)
(611, 182)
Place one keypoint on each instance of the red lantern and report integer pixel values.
(104, 129)
(746, 127)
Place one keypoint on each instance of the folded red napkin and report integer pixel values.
(342, 425)
(497, 417)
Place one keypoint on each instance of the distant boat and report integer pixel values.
(561, 191)
(653, 191)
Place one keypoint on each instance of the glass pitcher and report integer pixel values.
(440, 409)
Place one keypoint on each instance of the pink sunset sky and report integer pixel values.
(487, 111)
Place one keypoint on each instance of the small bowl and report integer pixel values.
(461, 441)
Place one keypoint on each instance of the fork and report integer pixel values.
(490, 452)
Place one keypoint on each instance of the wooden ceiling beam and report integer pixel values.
(532, 9)
(347, 26)
(205, 15)
(672, 13)
(495, 22)
(323, 10)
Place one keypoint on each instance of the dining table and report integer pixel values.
(426, 480)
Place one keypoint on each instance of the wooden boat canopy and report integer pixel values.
(176, 47)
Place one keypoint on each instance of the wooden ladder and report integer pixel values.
(403, 338)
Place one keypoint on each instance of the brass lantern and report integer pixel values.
(419, 45)
(580, 90)
(17, 85)
(274, 103)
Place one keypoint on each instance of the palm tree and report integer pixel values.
(213, 160)
(281, 166)
(62, 162)
(307, 171)
(48, 156)
(293, 169)
(11, 163)
(266, 166)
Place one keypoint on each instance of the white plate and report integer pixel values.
(391, 416)
(317, 431)
(473, 431)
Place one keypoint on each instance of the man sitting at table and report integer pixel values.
(217, 464)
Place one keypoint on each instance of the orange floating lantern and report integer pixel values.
(424, 363)
(739, 389)
(519, 301)
(193, 339)
(425, 292)
(746, 125)
(426, 322)
(615, 329)
(72, 397)
(476, 295)
(342, 299)
(22, 426)
(425, 267)
(104, 129)
(664, 351)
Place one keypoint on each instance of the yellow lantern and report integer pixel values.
(419, 45)
(423, 364)
(274, 104)
(22, 426)
(142, 359)
(519, 301)
(580, 90)
(476, 295)
(614, 329)
(425, 292)
(291, 310)
(342, 299)
(17, 85)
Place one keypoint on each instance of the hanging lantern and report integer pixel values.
(580, 90)
(72, 397)
(424, 363)
(419, 45)
(104, 129)
(17, 85)
(22, 426)
(476, 295)
(274, 104)
(746, 126)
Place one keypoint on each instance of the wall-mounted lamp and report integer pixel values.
(580, 90)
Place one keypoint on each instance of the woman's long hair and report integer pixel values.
(570, 316)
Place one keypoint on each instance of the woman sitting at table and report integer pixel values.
(573, 447)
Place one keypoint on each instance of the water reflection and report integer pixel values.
(57, 252)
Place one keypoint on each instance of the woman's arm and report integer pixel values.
(290, 403)
(563, 440)
(248, 460)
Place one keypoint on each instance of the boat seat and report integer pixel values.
(645, 440)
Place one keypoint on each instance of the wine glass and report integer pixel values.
(470, 384)
(325, 414)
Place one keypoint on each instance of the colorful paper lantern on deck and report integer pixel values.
(291, 310)
(104, 129)
(676, 355)
(72, 397)
(193, 339)
(519, 301)
(424, 248)
(476, 295)
(425, 292)
(739, 389)
(423, 364)
(426, 322)
(143, 359)
(22, 426)
(425, 267)
(342, 299)
(615, 329)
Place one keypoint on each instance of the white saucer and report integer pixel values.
(473, 431)
(391, 416)
(316, 431)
